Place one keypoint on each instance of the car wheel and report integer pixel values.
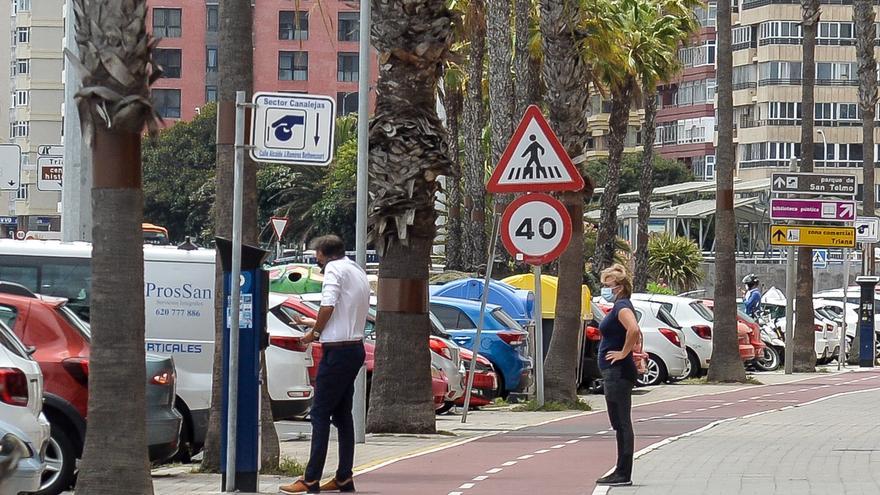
(447, 406)
(186, 450)
(655, 372)
(501, 390)
(692, 366)
(596, 387)
(769, 361)
(60, 463)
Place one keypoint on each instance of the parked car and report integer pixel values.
(773, 300)
(21, 417)
(61, 343)
(663, 341)
(696, 322)
(503, 340)
(747, 327)
(438, 387)
(518, 303)
(485, 386)
(288, 360)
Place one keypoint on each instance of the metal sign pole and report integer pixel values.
(539, 338)
(235, 291)
(841, 356)
(493, 242)
(790, 284)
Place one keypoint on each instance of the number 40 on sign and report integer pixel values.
(535, 228)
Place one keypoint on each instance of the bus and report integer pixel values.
(156, 235)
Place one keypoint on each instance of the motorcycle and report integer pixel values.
(774, 340)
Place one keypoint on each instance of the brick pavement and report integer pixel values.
(827, 446)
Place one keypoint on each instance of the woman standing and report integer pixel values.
(620, 333)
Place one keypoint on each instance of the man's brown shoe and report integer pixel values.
(335, 485)
(300, 486)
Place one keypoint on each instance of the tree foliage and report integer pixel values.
(675, 261)
(666, 172)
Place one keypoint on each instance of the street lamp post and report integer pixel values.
(824, 148)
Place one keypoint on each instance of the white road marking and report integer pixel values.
(480, 478)
(557, 446)
(524, 457)
(542, 451)
(572, 441)
(494, 471)
(466, 486)
(508, 463)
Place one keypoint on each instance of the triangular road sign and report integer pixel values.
(279, 225)
(534, 160)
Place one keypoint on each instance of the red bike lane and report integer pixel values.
(567, 456)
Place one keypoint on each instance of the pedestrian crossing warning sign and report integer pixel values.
(534, 160)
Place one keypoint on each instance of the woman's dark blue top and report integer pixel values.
(613, 338)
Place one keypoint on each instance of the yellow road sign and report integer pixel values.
(810, 236)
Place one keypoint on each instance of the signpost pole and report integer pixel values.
(539, 338)
(235, 291)
(484, 300)
(841, 356)
(790, 283)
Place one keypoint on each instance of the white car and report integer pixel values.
(696, 322)
(664, 342)
(853, 296)
(826, 337)
(287, 362)
(21, 406)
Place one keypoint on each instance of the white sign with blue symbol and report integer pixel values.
(820, 258)
(291, 128)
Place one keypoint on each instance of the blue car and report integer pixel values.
(518, 303)
(503, 341)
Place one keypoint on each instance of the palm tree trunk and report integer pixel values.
(474, 120)
(236, 74)
(501, 95)
(863, 17)
(619, 124)
(726, 364)
(453, 104)
(646, 186)
(804, 333)
(408, 151)
(524, 68)
(117, 361)
(567, 100)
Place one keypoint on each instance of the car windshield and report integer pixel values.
(506, 320)
(76, 322)
(704, 312)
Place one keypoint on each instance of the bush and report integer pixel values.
(675, 261)
(655, 288)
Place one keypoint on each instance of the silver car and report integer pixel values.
(21, 464)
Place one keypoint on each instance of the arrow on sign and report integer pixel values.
(779, 182)
(317, 126)
(11, 183)
(847, 210)
(779, 235)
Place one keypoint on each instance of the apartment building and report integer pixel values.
(33, 96)
(299, 47)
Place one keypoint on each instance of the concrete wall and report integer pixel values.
(774, 275)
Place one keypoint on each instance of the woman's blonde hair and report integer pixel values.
(618, 274)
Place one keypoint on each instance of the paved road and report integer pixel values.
(565, 457)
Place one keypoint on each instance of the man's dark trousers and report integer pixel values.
(334, 390)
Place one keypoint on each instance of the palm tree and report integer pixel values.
(114, 107)
(453, 103)
(664, 29)
(236, 74)
(501, 95)
(566, 74)
(726, 364)
(804, 335)
(863, 18)
(526, 76)
(408, 152)
(473, 123)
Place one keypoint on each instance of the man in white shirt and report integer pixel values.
(345, 301)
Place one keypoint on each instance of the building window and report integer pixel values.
(20, 128)
(293, 66)
(210, 93)
(347, 67)
(21, 98)
(706, 14)
(169, 60)
(346, 103)
(23, 66)
(23, 34)
(22, 5)
(213, 21)
(211, 59)
(349, 26)
(167, 103)
(166, 23)
(293, 25)
(22, 192)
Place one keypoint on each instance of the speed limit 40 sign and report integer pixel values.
(535, 228)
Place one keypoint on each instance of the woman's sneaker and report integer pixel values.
(614, 479)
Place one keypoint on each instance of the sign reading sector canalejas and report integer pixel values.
(827, 210)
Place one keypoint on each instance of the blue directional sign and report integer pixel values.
(291, 128)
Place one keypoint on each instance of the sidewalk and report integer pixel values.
(382, 449)
(828, 446)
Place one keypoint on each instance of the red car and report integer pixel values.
(485, 380)
(61, 343)
(748, 334)
(439, 384)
